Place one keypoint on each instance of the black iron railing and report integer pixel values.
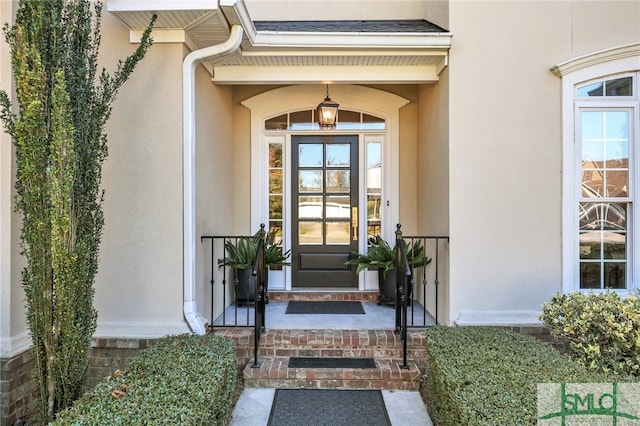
(419, 265)
(238, 282)
(258, 272)
(404, 285)
(427, 278)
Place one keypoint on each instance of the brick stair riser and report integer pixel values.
(334, 384)
(274, 372)
(361, 296)
(331, 343)
(384, 353)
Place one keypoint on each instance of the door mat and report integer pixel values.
(328, 407)
(324, 308)
(309, 362)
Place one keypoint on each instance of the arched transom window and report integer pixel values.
(307, 120)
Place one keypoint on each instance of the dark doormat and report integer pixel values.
(309, 362)
(324, 308)
(328, 407)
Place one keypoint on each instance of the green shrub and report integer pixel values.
(603, 330)
(488, 376)
(180, 380)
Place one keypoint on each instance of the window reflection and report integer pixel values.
(310, 181)
(338, 181)
(310, 155)
(310, 232)
(338, 233)
(338, 155)
(614, 87)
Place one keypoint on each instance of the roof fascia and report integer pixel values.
(247, 74)
(342, 41)
(138, 5)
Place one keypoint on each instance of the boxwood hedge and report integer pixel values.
(185, 380)
(489, 376)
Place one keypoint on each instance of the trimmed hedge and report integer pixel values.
(489, 376)
(185, 380)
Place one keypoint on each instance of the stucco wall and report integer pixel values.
(505, 144)
(433, 184)
(214, 183)
(139, 284)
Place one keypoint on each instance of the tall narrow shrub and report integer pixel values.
(63, 104)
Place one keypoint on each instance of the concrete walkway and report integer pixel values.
(405, 408)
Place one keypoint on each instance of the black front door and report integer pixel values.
(324, 210)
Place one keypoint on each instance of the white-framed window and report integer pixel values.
(601, 167)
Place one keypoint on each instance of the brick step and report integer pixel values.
(273, 372)
(342, 343)
(384, 344)
(319, 295)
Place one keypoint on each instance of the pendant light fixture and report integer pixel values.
(327, 112)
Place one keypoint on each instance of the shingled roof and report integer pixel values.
(385, 26)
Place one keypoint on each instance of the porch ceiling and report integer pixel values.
(294, 52)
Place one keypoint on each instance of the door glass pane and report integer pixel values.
(310, 155)
(338, 232)
(275, 181)
(338, 181)
(338, 206)
(310, 232)
(338, 155)
(374, 189)
(275, 155)
(275, 228)
(310, 180)
(310, 207)
(275, 207)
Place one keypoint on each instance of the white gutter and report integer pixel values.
(228, 48)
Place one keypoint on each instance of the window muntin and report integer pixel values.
(606, 148)
(305, 120)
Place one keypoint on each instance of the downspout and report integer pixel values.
(230, 47)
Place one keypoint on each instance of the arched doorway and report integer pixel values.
(370, 121)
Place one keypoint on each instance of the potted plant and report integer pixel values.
(381, 256)
(241, 256)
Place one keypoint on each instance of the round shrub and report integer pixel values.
(603, 329)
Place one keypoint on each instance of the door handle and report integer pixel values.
(354, 222)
